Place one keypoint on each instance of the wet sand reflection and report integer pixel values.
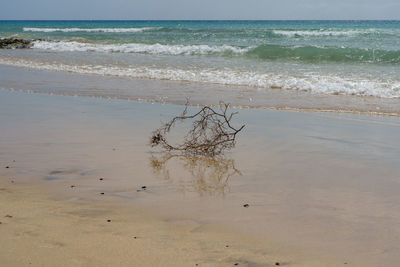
(201, 174)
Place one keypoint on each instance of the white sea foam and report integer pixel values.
(310, 83)
(158, 49)
(295, 33)
(89, 29)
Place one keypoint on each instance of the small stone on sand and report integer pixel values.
(246, 205)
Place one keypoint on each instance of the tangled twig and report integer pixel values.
(211, 134)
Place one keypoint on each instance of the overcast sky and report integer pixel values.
(200, 9)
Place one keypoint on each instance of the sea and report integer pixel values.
(250, 63)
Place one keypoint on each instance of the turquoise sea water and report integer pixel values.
(323, 57)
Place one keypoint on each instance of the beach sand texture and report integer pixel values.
(322, 189)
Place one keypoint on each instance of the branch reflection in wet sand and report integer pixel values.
(207, 175)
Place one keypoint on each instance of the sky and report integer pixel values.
(200, 9)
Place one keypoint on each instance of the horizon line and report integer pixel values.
(199, 19)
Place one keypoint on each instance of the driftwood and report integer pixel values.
(211, 132)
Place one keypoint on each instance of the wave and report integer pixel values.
(324, 54)
(115, 30)
(311, 54)
(157, 49)
(304, 33)
(297, 33)
(308, 82)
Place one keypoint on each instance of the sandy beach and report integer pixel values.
(322, 188)
(45, 232)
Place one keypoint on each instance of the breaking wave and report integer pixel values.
(116, 30)
(322, 32)
(158, 49)
(311, 54)
(309, 83)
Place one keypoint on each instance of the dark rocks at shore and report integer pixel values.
(15, 43)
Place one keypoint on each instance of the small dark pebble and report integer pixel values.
(108, 220)
(197, 264)
(72, 186)
(246, 205)
(236, 264)
(101, 193)
(345, 263)
(7, 167)
(277, 263)
(8, 216)
(101, 179)
(227, 246)
(14, 160)
(144, 187)
(12, 181)
(0, 222)
(135, 237)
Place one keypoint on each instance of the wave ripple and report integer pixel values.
(88, 29)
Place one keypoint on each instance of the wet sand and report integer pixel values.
(175, 92)
(322, 189)
(38, 231)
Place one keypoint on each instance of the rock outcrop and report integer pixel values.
(14, 43)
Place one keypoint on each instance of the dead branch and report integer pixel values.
(211, 132)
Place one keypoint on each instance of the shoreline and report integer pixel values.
(147, 90)
(335, 212)
(139, 100)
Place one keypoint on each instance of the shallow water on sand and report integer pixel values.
(175, 92)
